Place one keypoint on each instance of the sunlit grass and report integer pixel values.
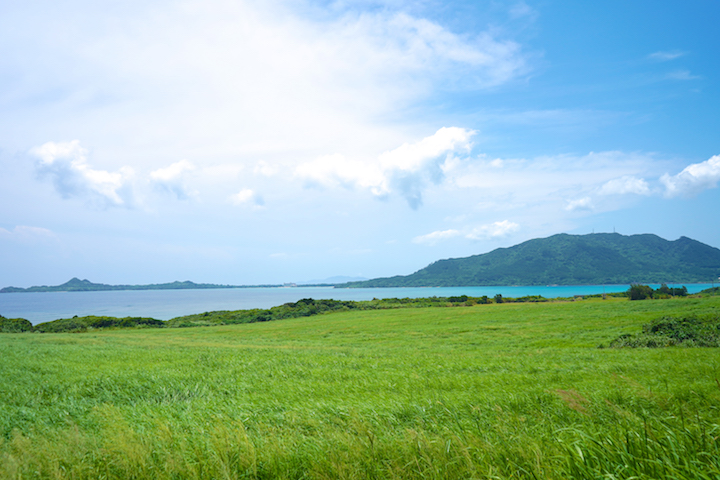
(490, 391)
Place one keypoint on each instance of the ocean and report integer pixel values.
(166, 304)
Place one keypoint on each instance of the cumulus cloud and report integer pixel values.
(493, 230)
(624, 185)
(171, 179)
(693, 179)
(65, 163)
(408, 169)
(435, 237)
(584, 203)
(337, 170)
(247, 197)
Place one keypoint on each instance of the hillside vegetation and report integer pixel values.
(498, 391)
(595, 259)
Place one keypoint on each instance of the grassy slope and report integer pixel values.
(506, 390)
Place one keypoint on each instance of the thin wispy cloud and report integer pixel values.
(27, 234)
(666, 56)
(681, 75)
(433, 238)
(491, 231)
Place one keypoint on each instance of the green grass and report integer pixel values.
(489, 391)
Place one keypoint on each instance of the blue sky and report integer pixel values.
(249, 142)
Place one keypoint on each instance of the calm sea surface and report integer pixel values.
(166, 304)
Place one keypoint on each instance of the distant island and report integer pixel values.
(77, 285)
(593, 259)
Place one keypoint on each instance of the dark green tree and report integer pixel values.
(640, 292)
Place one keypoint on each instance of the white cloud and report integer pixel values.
(410, 167)
(435, 237)
(421, 45)
(65, 163)
(171, 179)
(173, 172)
(681, 75)
(584, 203)
(484, 232)
(247, 197)
(497, 163)
(493, 230)
(693, 179)
(666, 55)
(265, 169)
(407, 169)
(624, 185)
(336, 170)
(250, 78)
(522, 9)
(25, 234)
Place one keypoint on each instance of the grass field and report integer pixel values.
(489, 391)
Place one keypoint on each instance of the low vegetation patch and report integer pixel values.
(302, 308)
(709, 292)
(686, 331)
(14, 325)
(83, 324)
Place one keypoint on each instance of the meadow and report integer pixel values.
(487, 391)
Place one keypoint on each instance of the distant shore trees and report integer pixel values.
(642, 292)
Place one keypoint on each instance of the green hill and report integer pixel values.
(602, 258)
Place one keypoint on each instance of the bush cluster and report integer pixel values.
(690, 331)
(82, 324)
(14, 325)
(305, 307)
(642, 292)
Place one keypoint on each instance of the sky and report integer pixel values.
(264, 142)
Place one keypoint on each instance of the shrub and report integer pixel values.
(690, 331)
(15, 325)
(640, 292)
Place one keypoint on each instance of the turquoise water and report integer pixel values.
(166, 304)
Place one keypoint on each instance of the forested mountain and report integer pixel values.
(594, 259)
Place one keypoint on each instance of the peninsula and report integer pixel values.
(77, 285)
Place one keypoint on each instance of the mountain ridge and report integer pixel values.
(564, 259)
